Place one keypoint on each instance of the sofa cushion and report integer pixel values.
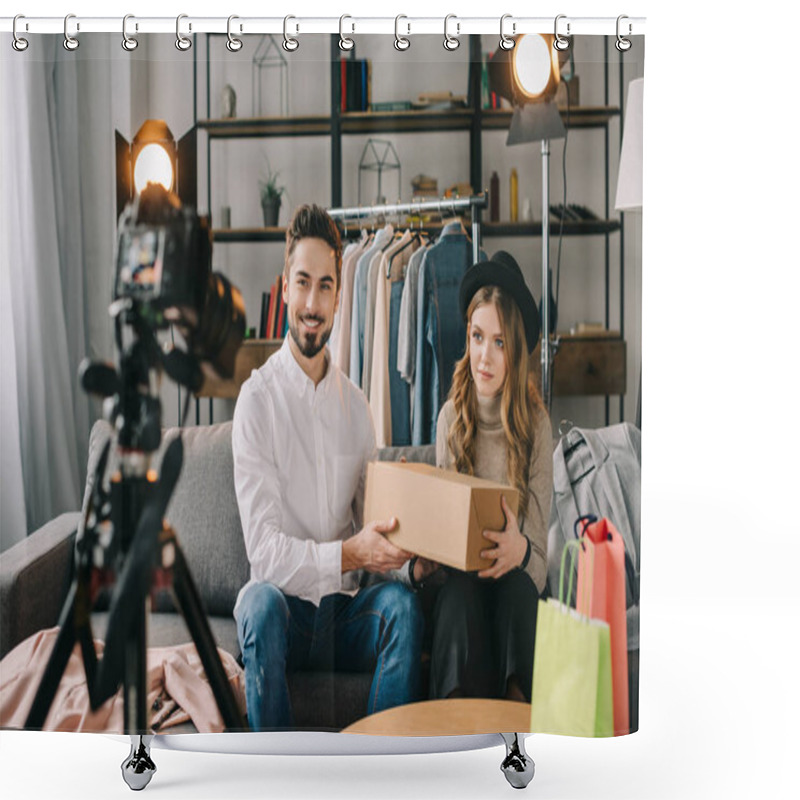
(202, 511)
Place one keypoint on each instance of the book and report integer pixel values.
(262, 325)
(281, 315)
(270, 313)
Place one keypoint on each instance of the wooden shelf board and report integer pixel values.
(248, 234)
(579, 117)
(583, 228)
(459, 119)
(414, 121)
(317, 125)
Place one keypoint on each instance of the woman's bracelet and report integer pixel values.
(527, 554)
(411, 564)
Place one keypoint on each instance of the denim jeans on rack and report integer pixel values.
(399, 390)
(379, 630)
(441, 332)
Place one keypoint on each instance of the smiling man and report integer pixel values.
(302, 438)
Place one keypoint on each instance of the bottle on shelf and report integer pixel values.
(514, 196)
(494, 198)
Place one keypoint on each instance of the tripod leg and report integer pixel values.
(192, 610)
(56, 665)
(518, 766)
(138, 768)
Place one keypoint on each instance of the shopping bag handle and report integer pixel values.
(630, 571)
(573, 569)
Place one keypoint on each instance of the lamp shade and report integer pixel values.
(629, 184)
(529, 72)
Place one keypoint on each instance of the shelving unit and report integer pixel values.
(584, 366)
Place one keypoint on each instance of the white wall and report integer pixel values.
(162, 85)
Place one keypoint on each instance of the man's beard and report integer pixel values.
(312, 343)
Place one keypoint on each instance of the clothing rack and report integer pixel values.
(475, 203)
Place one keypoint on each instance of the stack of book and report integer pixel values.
(273, 312)
(356, 84)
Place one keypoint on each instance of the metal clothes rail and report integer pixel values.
(474, 203)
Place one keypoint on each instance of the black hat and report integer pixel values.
(503, 271)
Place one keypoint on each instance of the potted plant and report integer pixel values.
(271, 195)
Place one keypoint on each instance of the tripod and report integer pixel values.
(124, 535)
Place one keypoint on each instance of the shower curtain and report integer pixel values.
(422, 169)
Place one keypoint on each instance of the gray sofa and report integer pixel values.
(35, 574)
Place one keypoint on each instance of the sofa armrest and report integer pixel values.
(34, 576)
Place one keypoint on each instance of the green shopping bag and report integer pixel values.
(572, 689)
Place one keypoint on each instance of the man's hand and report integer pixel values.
(369, 549)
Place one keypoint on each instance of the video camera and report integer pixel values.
(163, 276)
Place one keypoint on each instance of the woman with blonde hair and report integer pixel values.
(495, 426)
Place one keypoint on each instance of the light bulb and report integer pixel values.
(533, 64)
(153, 165)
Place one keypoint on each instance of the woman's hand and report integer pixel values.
(510, 546)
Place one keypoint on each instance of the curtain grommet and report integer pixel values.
(345, 42)
(560, 43)
(401, 43)
(70, 42)
(290, 43)
(183, 43)
(129, 43)
(451, 43)
(233, 44)
(19, 43)
(506, 42)
(622, 44)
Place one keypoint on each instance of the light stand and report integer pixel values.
(530, 123)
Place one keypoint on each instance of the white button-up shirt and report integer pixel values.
(300, 457)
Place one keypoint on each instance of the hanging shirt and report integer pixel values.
(336, 333)
(300, 457)
(341, 348)
(369, 318)
(381, 239)
(407, 327)
(379, 397)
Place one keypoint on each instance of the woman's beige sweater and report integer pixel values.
(490, 463)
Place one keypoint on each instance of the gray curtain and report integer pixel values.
(58, 217)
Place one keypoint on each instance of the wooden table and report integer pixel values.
(456, 717)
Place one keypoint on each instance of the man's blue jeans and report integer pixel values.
(378, 630)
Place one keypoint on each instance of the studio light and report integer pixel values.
(155, 157)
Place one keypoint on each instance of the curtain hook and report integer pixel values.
(290, 44)
(233, 44)
(129, 43)
(560, 43)
(18, 43)
(401, 42)
(506, 42)
(345, 43)
(182, 42)
(622, 44)
(451, 42)
(70, 42)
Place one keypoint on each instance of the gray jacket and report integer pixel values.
(598, 472)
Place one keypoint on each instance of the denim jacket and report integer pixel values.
(441, 331)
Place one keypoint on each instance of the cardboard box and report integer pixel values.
(441, 514)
